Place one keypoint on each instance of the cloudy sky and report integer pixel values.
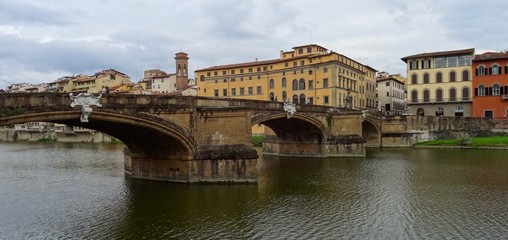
(42, 40)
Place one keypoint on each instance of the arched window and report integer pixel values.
(295, 98)
(453, 94)
(439, 95)
(452, 76)
(481, 90)
(202, 78)
(284, 96)
(495, 69)
(465, 93)
(302, 84)
(480, 71)
(414, 96)
(295, 85)
(425, 78)
(426, 95)
(302, 98)
(420, 112)
(439, 77)
(465, 75)
(272, 83)
(284, 82)
(496, 90)
(459, 111)
(414, 79)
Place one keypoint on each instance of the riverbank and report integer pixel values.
(495, 142)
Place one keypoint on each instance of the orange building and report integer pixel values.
(490, 83)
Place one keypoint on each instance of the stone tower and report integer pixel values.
(182, 73)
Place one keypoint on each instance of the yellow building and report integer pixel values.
(308, 74)
(109, 78)
(440, 83)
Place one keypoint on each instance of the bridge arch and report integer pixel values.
(371, 132)
(300, 135)
(145, 138)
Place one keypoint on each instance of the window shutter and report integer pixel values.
(501, 90)
(476, 72)
(506, 70)
(489, 71)
(499, 70)
(476, 92)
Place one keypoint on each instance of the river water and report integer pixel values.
(79, 191)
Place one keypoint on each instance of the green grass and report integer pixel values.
(497, 141)
(257, 141)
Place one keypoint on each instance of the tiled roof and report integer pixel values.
(440, 54)
(491, 56)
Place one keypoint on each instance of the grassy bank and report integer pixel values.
(497, 141)
(257, 141)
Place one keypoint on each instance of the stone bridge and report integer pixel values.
(195, 139)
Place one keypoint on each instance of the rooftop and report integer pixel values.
(491, 56)
(440, 54)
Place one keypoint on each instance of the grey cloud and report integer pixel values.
(26, 12)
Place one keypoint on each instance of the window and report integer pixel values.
(453, 94)
(216, 92)
(233, 91)
(489, 114)
(302, 84)
(272, 83)
(413, 65)
(465, 94)
(224, 92)
(414, 79)
(387, 84)
(465, 60)
(302, 98)
(459, 111)
(325, 83)
(387, 94)
(326, 100)
(295, 98)
(300, 51)
(250, 91)
(481, 91)
(258, 69)
(310, 72)
(223, 72)
(325, 70)
(426, 78)
(496, 89)
(242, 91)
(258, 90)
(414, 96)
(439, 111)
(465, 75)
(452, 76)
(426, 95)
(309, 50)
(495, 69)
(284, 82)
(284, 96)
(302, 62)
(208, 74)
(452, 61)
(311, 84)
(202, 78)
(426, 63)
(439, 62)
(233, 71)
(250, 70)
(439, 95)
(215, 73)
(480, 71)
(295, 85)
(241, 70)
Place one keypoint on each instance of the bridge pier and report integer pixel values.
(229, 164)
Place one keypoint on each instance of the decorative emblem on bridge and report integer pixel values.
(86, 100)
(364, 114)
(290, 109)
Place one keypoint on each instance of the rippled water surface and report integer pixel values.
(79, 191)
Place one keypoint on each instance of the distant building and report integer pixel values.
(160, 82)
(309, 74)
(391, 91)
(490, 83)
(440, 83)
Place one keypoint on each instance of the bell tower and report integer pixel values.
(182, 71)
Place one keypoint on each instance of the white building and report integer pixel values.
(391, 94)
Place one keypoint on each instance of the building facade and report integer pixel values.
(490, 82)
(308, 74)
(391, 91)
(440, 83)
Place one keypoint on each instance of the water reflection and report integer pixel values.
(80, 191)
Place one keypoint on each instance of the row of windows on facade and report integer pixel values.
(439, 77)
(442, 62)
(452, 93)
(258, 69)
(396, 94)
(495, 69)
(395, 85)
(495, 90)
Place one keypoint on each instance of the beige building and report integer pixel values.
(391, 89)
(308, 74)
(440, 83)
(160, 82)
(109, 78)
